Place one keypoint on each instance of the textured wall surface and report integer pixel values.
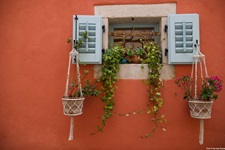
(33, 66)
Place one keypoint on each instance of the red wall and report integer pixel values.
(33, 65)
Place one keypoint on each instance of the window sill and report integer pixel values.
(135, 71)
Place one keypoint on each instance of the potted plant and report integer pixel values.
(74, 94)
(73, 102)
(139, 52)
(133, 56)
(201, 107)
(129, 54)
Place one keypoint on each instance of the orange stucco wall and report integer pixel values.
(33, 65)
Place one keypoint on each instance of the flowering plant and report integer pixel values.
(185, 83)
(210, 87)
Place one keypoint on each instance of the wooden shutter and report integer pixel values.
(91, 50)
(183, 31)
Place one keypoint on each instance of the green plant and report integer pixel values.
(139, 51)
(88, 88)
(155, 102)
(69, 40)
(110, 69)
(130, 52)
(79, 42)
(84, 35)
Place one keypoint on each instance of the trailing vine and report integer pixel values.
(154, 83)
(109, 77)
(152, 57)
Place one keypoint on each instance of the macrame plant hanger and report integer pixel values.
(199, 58)
(73, 105)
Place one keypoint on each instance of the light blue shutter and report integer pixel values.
(91, 50)
(183, 31)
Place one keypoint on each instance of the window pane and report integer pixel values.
(132, 37)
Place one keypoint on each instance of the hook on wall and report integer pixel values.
(196, 43)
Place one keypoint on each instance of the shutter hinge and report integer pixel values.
(76, 18)
(166, 51)
(103, 51)
(103, 28)
(165, 28)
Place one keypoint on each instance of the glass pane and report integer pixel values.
(132, 37)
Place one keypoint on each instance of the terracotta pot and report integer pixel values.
(135, 59)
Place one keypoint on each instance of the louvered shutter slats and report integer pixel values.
(90, 51)
(183, 32)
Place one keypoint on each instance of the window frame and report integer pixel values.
(146, 11)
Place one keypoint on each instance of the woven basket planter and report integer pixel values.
(72, 106)
(200, 109)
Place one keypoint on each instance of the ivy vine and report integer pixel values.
(154, 83)
(152, 57)
(110, 68)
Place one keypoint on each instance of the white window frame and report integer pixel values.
(137, 11)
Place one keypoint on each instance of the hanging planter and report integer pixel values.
(200, 109)
(72, 106)
(200, 106)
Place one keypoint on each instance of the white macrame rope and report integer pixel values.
(201, 132)
(71, 129)
(78, 75)
(206, 72)
(73, 53)
(196, 79)
(67, 78)
(194, 73)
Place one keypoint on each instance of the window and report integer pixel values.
(135, 33)
(132, 35)
(147, 13)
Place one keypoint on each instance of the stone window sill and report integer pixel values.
(135, 71)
